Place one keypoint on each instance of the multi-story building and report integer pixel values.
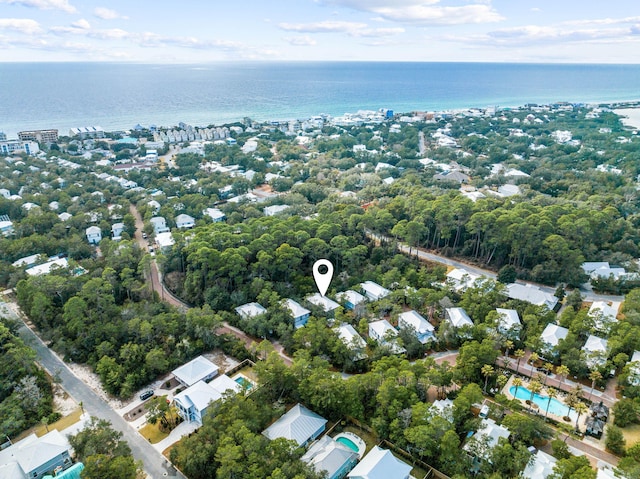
(8, 147)
(41, 136)
(85, 132)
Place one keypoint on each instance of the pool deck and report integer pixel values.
(354, 438)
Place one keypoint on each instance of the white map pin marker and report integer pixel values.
(323, 280)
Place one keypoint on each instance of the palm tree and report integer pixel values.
(501, 380)
(532, 359)
(548, 367)
(517, 382)
(487, 370)
(563, 372)
(574, 397)
(594, 376)
(580, 408)
(508, 345)
(552, 393)
(519, 354)
(535, 387)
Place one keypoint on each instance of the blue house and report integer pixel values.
(350, 298)
(330, 456)
(300, 314)
(298, 424)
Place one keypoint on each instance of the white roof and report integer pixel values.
(298, 424)
(250, 310)
(412, 318)
(462, 278)
(553, 333)
(327, 454)
(609, 311)
(458, 317)
(381, 327)
(323, 302)
(531, 294)
(595, 344)
(183, 218)
(509, 317)
(540, 467)
(380, 464)
(636, 357)
(349, 335)
(201, 394)
(46, 268)
(492, 431)
(64, 216)
(374, 289)
(31, 453)
(165, 240)
(295, 308)
(351, 296)
(214, 213)
(195, 370)
(25, 260)
(93, 230)
(590, 266)
(275, 209)
(158, 220)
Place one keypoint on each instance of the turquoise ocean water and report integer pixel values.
(118, 96)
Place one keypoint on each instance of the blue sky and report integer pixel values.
(194, 31)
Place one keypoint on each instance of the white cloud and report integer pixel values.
(425, 12)
(107, 14)
(353, 29)
(44, 4)
(82, 24)
(21, 25)
(303, 41)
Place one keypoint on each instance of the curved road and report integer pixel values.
(153, 462)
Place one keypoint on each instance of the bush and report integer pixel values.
(560, 449)
(614, 440)
(625, 412)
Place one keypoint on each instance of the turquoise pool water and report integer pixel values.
(244, 382)
(349, 443)
(555, 407)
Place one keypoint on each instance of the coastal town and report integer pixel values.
(483, 319)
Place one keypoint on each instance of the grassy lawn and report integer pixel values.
(153, 433)
(60, 425)
(632, 434)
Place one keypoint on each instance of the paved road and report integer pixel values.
(153, 462)
(436, 258)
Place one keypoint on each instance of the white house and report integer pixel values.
(33, 457)
(457, 317)
(551, 337)
(46, 268)
(531, 294)
(382, 332)
(300, 314)
(373, 291)
(250, 310)
(350, 337)
(351, 299)
(116, 231)
(380, 464)
(486, 438)
(64, 216)
(192, 403)
(215, 214)
(94, 234)
(634, 369)
(423, 329)
(198, 369)
(6, 226)
(604, 314)
(540, 466)
(184, 221)
(327, 305)
(165, 241)
(509, 323)
(460, 279)
(159, 225)
(26, 261)
(330, 456)
(595, 351)
(275, 209)
(298, 424)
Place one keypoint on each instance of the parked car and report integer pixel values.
(144, 235)
(146, 395)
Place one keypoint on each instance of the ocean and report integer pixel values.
(120, 95)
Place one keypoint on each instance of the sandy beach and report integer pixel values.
(632, 116)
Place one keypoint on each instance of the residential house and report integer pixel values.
(452, 175)
(298, 424)
(165, 241)
(350, 299)
(531, 294)
(215, 214)
(33, 457)
(459, 279)
(382, 332)
(444, 408)
(184, 221)
(330, 456)
(380, 464)
(6, 226)
(300, 315)
(26, 261)
(509, 323)
(550, 339)
(604, 315)
(116, 231)
(159, 225)
(595, 351)
(424, 330)
(275, 209)
(48, 267)
(192, 403)
(602, 270)
(198, 369)
(634, 369)
(154, 206)
(373, 291)
(327, 305)
(64, 216)
(457, 317)
(540, 466)
(94, 234)
(594, 427)
(250, 310)
(485, 439)
(352, 340)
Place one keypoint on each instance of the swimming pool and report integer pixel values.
(352, 441)
(244, 382)
(348, 442)
(555, 407)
